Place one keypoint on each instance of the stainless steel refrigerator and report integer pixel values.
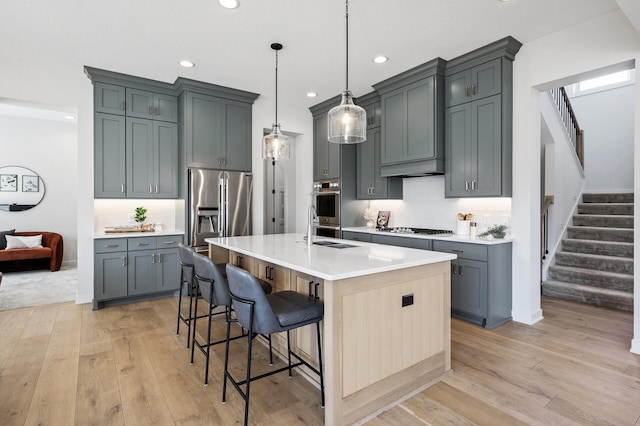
(219, 205)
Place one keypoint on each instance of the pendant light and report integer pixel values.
(275, 145)
(347, 122)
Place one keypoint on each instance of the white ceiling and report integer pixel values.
(147, 38)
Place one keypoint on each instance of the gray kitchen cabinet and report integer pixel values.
(356, 236)
(480, 282)
(413, 121)
(156, 106)
(109, 98)
(109, 156)
(478, 121)
(474, 150)
(474, 83)
(326, 155)
(151, 157)
(127, 269)
(110, 269)
(217, 125)
(370, 184)
(392, 240)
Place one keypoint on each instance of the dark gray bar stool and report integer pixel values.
(214, 290)
(186, 279)
(265, 314)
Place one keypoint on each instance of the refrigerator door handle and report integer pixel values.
(221, 207)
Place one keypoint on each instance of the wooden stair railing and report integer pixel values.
(568, 116)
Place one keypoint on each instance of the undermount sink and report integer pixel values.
(333, 244)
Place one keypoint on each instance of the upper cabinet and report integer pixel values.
(326, 155)
(217, 125)
(413, 121)
(370, 184)
(478, 123)
(136, 148)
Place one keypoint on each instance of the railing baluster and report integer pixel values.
(568, 118)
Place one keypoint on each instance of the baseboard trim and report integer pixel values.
(530, 319)
(635, 346)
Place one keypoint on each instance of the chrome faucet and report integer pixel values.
(311, 215)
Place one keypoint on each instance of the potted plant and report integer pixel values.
(496, 231)
(141, 216)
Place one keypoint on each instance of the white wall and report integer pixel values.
(607, 120)
(558, 59)
(46, 147)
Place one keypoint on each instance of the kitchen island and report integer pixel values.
(387, 329)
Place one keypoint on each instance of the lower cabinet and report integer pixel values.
(419, 243)
(356, 236)
(137, 266)
(480, 282)
(242, 261)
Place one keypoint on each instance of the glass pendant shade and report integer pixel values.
(275, 145)
(347, 122)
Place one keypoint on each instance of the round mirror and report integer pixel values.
(20, 189)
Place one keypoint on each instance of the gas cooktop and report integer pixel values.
(424, 231)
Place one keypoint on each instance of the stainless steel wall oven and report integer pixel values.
(326, 196)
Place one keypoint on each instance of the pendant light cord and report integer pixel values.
(347, 50)
(276, 87)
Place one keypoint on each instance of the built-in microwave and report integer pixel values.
(326, 196)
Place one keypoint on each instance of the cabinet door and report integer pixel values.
(275, 275)
(165, 159)
(356, 236)
(139, 103)
(409, 242)
(486, 79)
(305, 340)
(457, 88)
(165, 108)
(409, 123)
(243, 261)
(142, 272)
(366, 165)
(140, 182)
(109, 98)
(110, 275)
(458, 151)
(374, 115)
(109, 155)
(203, 133)
(472, 287)
(320, 147)
(236, 131)
(486, 147)
(168, 269)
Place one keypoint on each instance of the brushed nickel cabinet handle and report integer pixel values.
(159, 258)
(156, 189)
(150, 189)
(457, 251)
(124, 261)
(466, 185)
(112, 245)
(157, 111)
(473, 89)
(473, 185)
(143, 244)
(122, 188)
(466, 90)
(123, 105)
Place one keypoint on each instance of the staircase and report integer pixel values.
(595, 264)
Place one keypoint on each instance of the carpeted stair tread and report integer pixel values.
(600, 233)
(606, 208)
(586, 294)
(605, 248)
(595, 262)
(608, 198)
(592, 277)
(604, 221)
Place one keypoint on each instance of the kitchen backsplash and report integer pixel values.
(168, 213)
(424, 206)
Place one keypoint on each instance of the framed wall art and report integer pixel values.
(30, 183)
(8, 183)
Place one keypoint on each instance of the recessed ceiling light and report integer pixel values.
(187, 64)
(312, 94)
(229, 4)
(380, 59)
(69, 117)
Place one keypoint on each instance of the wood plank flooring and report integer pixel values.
(66, 364)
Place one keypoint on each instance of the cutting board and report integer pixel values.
(126, 230)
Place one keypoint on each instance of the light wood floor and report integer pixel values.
(65, 364)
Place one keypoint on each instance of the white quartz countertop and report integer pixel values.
(103, 235)
(444, 237)
(291, 251)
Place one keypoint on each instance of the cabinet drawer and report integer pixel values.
(169, 241)
(110, 245)
(141, 243)
(356, 236)
(407, 242)
(462, 250)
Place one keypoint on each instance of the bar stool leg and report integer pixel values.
(180, 306)
(190, 313)
(320, 363)
(206, 367)
(250, 340)
(289, 350)
(193, 335)
(226, 356)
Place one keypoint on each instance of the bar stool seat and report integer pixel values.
(265, 314)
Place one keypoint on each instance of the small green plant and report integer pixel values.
(141, 214)
(496, 231)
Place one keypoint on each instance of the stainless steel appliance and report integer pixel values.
(219, 205)
(326, 198)
(424, 231)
